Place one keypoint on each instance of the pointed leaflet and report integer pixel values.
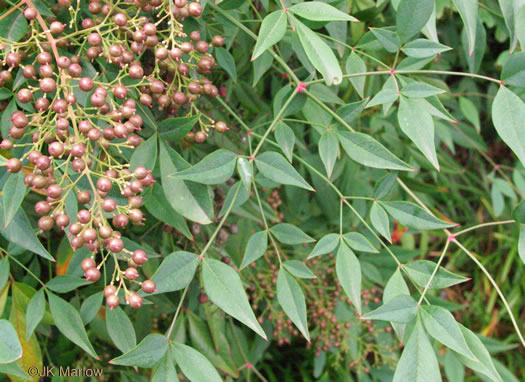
(348, 272)
(285, 138)
(401, 309)
(272, 31)
(421, 271)
(326, 245)
(174, 130)
(441, 325)
(388, 38)
(509, 8)
(13, 194)
(508, 114)
(413, 216)
(215, 168)
(257, 245)
(175, 272)
(396, 286)
(290, 234)
(418, 125)
(291, 298)
(483, 362)
(146, 354)
(4, 271)
(19, 232)
(120, 329)
(193, 364)
(191, 201)
(224, 288)
(298, 269)
(521, 244)
(412, 16)
(10, 347)
(226, 61)
(380, 222)
(365, 150)
(358, 242)
(145, 155)
(513, 72)
(418, 363)
(245, 170)
(420, 90)
(329, 150)
(320, 54)
(68, 321)
(468, 10)
(355, 64)
(165, 370)
(318, 11)
(275, 167)
(91, 306)
(35, 311)
(470, 112)
(422, 48)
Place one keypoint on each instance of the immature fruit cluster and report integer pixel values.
(75, 122)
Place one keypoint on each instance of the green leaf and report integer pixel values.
(380, 222)
(256, 247)
(10, 347)
(272, 31)
(329, 150)
(13, 194)
(509, 8)
(513, 72)
(396, 286)
(441, 325)
(157, 204)
(165, 370)
(365, 150)
(413, 216)
(290, 234)
(518, 212)
(175, 129)
(412, 16)
(508, 114)
(260, 66)
(298, 269)
(420, 90)
(320, 54)
(483, 362)
(470, 111)
(285, 138)
(215, 168)
(146, 354)
(120, 329)
(175, 272)
(13, 369)
(193, 364)
(4, 272)
(227, 62)
(190, 200)
(385, 185)
(19, 232)
(453, 368)
(418, 125)
(326, 245)
(422, 48)
(69, 323)
(520, 26)
(421, 270)
(348, 272)
(387, 38)
(318, 11)
(354, 65)
(351, 111)
(245, 170)
(521, 244)
(13, 26)
(224, 288)
(5, 122)
(275, 167)
(35, 312)
(418, 363)
(401, 309)
(237, 194)
(358, 242)
(66, 283)
(468, 10)
(291, 298)
(145, 155)
(90, 307)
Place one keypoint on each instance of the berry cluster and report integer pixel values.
(85, 86)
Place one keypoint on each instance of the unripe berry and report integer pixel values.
(54, 190)
(30, 13)
(45, 223)
(109, 205)
(24, 95)
(139, 257)
(134, 300)
(84, 216)
(115, 245)
(62, 220)
(42, 207)
(131, 273)
(109, 290)
(149, 286)
(112, 301)
(14, 165)
(92, 274)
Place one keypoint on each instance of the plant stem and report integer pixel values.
(484, 225)
(436, 268)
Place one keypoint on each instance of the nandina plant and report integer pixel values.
(208, 191)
